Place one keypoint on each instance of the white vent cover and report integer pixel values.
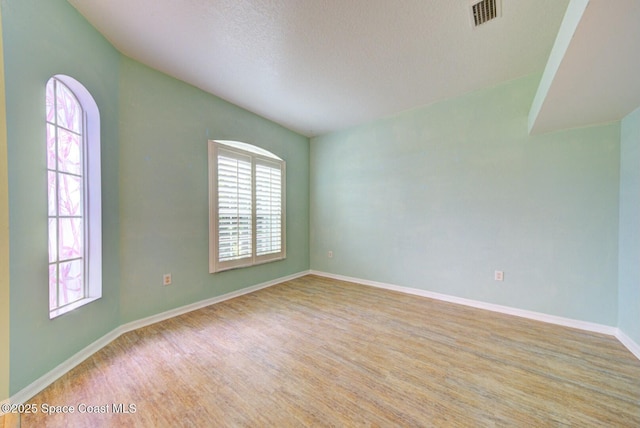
(484, 10)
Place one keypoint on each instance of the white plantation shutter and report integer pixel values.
(268, 208)
(247, 206)
(234, 206)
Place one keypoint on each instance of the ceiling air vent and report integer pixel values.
(484, 10)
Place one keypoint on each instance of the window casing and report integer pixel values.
(246, 204)
(73, 195)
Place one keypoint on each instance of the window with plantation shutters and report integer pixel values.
(247, 207)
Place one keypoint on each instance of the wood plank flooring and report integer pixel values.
(320, 352)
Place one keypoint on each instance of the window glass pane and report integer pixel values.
(70, 236)
(71, 281)
(69, 152)
(50, 101)
(51, 146)
(53, 286)
(248, 148)
(69, 110)
(70, 195)
(51, 193)
(53, 240)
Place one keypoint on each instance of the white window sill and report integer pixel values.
(75, 305)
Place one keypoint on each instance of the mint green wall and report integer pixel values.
(439, 197)
(164, 128)
(43, 38)
(4, 238)
(629, 250)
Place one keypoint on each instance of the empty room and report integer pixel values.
(319, 213)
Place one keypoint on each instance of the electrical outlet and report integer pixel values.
(498, 275)
(166, 279)
(330, 254)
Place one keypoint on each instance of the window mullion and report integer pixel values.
(56, 190)
(85, 204)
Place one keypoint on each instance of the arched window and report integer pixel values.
(74, 195)
(247, 206)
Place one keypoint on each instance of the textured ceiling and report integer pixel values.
(317, 66)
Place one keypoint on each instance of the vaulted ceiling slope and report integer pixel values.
(593, 72)
(316, 66)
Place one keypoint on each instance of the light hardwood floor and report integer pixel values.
(320, 352)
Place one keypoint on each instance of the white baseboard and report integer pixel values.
(538, 316)
(632, 346)
(47, 379)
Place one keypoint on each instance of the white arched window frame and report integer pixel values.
(247, 206)
(73, 195)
